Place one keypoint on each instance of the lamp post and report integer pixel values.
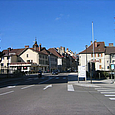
(9, 49)
(86, 59)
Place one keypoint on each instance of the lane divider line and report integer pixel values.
(6, 93)
(27, 86)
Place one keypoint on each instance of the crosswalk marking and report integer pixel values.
(113, 99)
(109, 95)
(70, 88)
(108, 92)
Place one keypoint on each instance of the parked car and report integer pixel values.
(54, 72)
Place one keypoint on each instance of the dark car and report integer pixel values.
(55, 72)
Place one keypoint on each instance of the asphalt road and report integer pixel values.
(53, 95)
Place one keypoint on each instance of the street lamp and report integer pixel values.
(9, 49)
(86, 59)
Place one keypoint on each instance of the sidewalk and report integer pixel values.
(73, 78)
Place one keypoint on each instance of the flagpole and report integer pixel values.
(93, 40)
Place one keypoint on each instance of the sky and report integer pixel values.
(56, 23)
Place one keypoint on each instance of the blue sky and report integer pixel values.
(66, 23)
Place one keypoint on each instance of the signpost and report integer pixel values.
(81, 72)
(113, 68)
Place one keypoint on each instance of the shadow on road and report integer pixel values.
(34, 80)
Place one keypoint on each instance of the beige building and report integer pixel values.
(25, 59)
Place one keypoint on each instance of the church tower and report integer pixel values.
(35, 46)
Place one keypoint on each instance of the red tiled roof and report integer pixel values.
(14, 51)
(110, 50)
(43, 51)
(53, 51)
(99, 47)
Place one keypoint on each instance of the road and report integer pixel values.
(53, 95)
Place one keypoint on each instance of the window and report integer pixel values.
(99, 55)
(8, 57)
(99, 66)
(28, 61)
(2, 64)
(27, 55)
(8, 64)
(91, 55)
(107, 67)
(100, 60)
(95, 55)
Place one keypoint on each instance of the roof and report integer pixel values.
(14, 51)
(53, 51)
(43, 51)
(20, 51)
(99, 47)
(110, 50)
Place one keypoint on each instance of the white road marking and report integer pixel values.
(107, 92)
(88, 85)
(109, 95)
(70, 88)
(113, 99)
(6, 93)
(27, 86)
(48, 86)
(11, 87)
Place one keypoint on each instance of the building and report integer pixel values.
(103, 56)
(25, 59)
(110, 55)
(94, 53)
(59, 58)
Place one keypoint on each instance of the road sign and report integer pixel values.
(81, 71)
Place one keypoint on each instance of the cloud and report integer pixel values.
(58, 18)
(61, 16)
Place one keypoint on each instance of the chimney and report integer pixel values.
(67, 50)
(91, 42)
(63, 49)
(39, 47)
(95, 44)
(27, 46)
(110, 44)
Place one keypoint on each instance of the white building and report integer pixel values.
(96, 52)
